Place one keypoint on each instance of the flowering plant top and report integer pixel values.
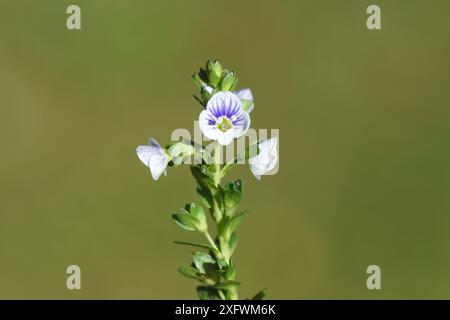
(224, 118)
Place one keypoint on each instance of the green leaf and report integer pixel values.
(208, 170)
(229, 81)
(206, 264)
(260, 295)
(186, 221)
(230, 272)
(232, 242)
(202, 258)
(227, 284)
(236, 221)
(228, 225)
(196, 211)
(232, 196)
(234, 85)
(198, 81)
(191, 218)
(202, 179)
(207, 157)
(203, 76)
(206, 197)
(189, 272)
(208, 293)
(194, 244)
(212, 273)
(214, 71)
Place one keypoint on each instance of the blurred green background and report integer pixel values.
(364, 119)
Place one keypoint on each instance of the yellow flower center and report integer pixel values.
(223, 124)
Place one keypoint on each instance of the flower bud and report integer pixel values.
(232, 195)
(179, 151)
(191, 218)
(229, 81)
(197, 211)
(214, 69)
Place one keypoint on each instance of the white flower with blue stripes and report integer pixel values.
(224, 118)
(154, 157)
(266, 159)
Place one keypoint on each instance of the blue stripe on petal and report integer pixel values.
(238, 120)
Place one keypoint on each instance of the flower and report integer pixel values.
(224, 118)
(247, 97)
(266, 159)
(154, 157)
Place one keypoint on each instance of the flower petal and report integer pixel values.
(246, 94)
(267, 158)
(144, 153)
(223, 103)
(225, 138)
(153, 143)
(209, 130)
(244, 125)
(157, 165)
(154, 157)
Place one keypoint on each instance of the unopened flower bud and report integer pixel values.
(214, 69)
(229, 81)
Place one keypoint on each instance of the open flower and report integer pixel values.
(154, 157)
(224, 118)
(266, 159)
(247, 97)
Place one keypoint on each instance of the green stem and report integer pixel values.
(222, 296)
(215, 210)
(231, 293)
(212, 243)
(217, 160)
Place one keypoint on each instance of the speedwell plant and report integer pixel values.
(225, 117)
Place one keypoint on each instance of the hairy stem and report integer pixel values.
(224, 251)
(217, 161)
